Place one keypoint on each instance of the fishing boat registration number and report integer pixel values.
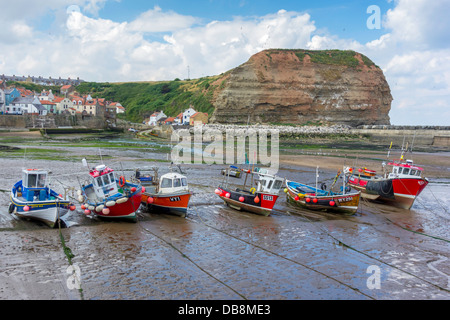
(267, 198)
(175, 199)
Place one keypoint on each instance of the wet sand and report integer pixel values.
(218, 253)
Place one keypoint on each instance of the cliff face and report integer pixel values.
(299, 87)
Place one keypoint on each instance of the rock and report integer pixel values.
(296, 87)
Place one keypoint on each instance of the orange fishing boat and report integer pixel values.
(169, 194)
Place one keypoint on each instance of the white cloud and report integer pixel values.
(157, 20)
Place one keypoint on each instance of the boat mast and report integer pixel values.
(317, 176)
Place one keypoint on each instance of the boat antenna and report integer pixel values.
(412, 144)
(100, 152)
(317, 176)
(389, 151)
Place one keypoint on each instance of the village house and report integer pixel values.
(49, 106)
(198, 117)
(155, 117)
(187, 115)
(66, 90)
(64, 105)
(46, 95)
(118, 106)
(170, 120)
(29, 105)
(179, 118)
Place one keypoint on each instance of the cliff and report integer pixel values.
(304, 86)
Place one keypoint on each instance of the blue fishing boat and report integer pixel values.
(31, 198)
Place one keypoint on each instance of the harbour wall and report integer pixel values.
(52, 121)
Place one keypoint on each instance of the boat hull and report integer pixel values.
(398, 192)
(48, 212)
(338, 203)
(119, 210)
(262, 206)
(173, 203)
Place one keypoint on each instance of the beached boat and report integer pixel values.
(259, 196)
(144, 179)
(398, 186)
(32, 198)
(309, 197)
(232, 171)
(168, 194)
(108, 197)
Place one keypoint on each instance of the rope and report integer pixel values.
(369, 204)
(381, 261)
(67, 250)
(193, 262)
(283, 257)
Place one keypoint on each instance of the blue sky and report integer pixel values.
(136, 40)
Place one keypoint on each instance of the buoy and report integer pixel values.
(296, 198)
(26, 208)
(121, 200)
(285, 190)
(308, 200)
(332, 203)
(91, 208)
(110, 203)
(315, 200)
(87, 211)
(99, 208)
(149, 200)
(217, 191)
(133, 189)
(80, 198)
(72, 207)
(143, 189)
(105, 211)
(83, 207)
(79, 192)
(241, 199)
(228, 195)
(256, 199)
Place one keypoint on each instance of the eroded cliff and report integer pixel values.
(304, 86)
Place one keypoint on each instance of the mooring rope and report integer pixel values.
(67, 251)
(193, 262)
(283, 257)
(379, 260)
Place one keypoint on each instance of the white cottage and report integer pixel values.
(155, 117)
(187, 115)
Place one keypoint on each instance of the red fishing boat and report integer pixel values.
(259, 196)
(398, 186)
(108, 197)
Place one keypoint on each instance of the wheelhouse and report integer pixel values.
(103, 181)
(173, 182)
(33, 178)
(405, 170)
(269, 184)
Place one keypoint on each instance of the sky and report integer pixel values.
(137, 40)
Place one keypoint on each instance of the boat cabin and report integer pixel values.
(405, 170)
(172, 182)
(34, 184)
(103, 181)
(268, 184)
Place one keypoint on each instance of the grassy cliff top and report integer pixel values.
(336, 57)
